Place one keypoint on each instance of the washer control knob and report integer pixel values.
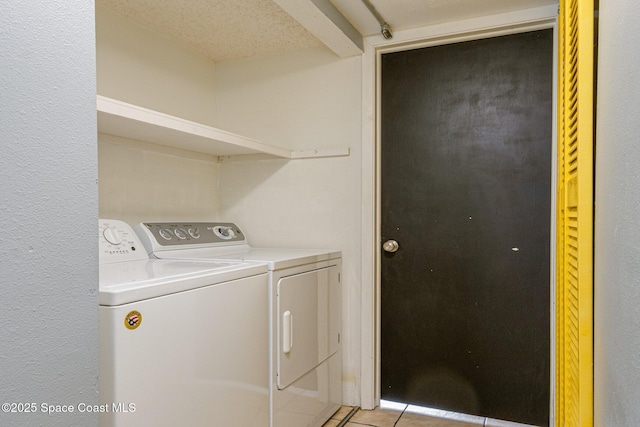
(112, 235)
(180, 233)
(193, 232)
(165, 233)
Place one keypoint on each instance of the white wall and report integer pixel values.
(146, 182)
(48, 208)
(305, 99)
(617, 218)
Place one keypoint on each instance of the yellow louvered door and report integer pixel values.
(574, 298)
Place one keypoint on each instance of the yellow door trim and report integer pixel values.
(574, 297)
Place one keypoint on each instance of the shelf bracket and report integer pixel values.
(311, 154)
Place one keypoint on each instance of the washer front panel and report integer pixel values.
(198, 358)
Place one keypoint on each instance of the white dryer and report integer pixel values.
(305, 312)
(181, 342)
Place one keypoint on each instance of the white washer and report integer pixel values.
(305, 312)
(181, 342)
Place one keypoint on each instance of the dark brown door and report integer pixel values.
(466, 178)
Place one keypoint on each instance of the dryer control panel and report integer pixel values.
(194, 233)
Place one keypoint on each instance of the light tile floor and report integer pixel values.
(391, 414)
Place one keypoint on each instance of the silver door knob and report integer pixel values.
(390, 246)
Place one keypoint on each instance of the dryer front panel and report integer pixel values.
(306, 331)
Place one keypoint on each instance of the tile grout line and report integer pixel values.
(346, 419)
(401, 414)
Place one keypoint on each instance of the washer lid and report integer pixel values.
(276, 258)
(125, 282)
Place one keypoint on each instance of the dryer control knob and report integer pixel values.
(224, 232)
(112, 235)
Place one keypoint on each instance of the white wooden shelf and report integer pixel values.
(131, 121)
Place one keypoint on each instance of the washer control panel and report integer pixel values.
(118, 242)
(181, 234)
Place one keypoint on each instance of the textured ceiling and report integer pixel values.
(226, 29)
(219, 29)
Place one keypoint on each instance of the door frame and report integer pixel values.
(374, 46)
